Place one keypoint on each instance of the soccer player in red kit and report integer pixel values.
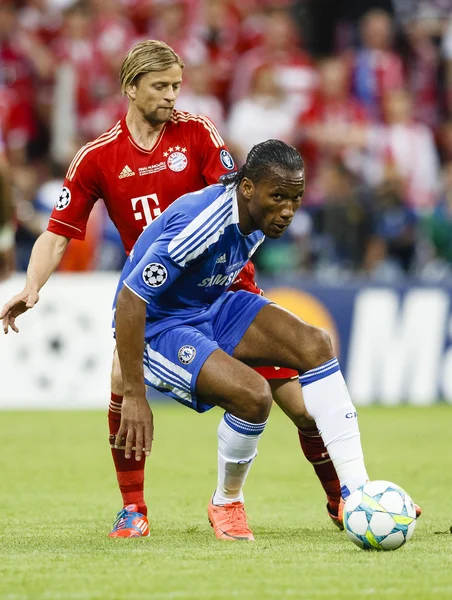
(154, 155)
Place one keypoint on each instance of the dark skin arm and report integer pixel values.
(136, 419)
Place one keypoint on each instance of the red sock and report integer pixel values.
(314, 449)
(129, 472)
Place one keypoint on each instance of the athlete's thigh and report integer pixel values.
(278, 337)
(226, 382)
(187, 365)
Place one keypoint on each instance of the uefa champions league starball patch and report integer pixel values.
(186, 354)
(177, 161)
(227, 160)
(64, 199)
(154, 275)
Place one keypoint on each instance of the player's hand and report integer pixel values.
(137, 427)
(16, 306)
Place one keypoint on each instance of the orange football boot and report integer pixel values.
(337, 516)
(229, 521)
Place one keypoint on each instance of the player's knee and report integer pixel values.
(320, 348)
(257, 401)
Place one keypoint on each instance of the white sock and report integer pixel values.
(327, 400)
(237, 448)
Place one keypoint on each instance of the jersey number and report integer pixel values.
(146, 208)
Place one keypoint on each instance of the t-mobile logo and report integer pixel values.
(149, 206)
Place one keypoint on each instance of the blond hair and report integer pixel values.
(145, 57)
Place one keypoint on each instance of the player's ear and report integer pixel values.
(131, 91)
(247, 188)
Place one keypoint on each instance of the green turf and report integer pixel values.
(58, 500)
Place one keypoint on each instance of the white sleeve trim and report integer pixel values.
(136, 294)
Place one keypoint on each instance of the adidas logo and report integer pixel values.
(221, 259)
(126, 172)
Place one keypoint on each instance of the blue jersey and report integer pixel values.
(188, 257)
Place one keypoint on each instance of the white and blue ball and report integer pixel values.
(379, 515)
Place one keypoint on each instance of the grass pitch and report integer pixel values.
(58, 500)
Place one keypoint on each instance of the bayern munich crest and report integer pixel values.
(63, 199)
(177, 161)
(154, 275)
(186, 354)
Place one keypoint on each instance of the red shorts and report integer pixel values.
(276, 373)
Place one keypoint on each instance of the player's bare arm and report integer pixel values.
(136, 418)
(45, 258)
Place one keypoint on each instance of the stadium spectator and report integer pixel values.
(445, 141)
(335, 124)
(447, 54)
(25, 65)
(266, 112)
(7, 225)
(422, 64)
(437, 227)
(197, 95)
(409, 147)
(219, 30)
(343, 219)
(174, 23)
(295, 72)
(376, 67)
(392, 251)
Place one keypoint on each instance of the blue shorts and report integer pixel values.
(173, 359)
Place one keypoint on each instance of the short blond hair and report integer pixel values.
(146, 57)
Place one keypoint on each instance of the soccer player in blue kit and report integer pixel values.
(179, 330)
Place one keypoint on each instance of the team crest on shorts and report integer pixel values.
(227, 160)
(63, 199)
(177, 161)
(186, 354)
(154, 275)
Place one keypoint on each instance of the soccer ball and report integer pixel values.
(379, 515)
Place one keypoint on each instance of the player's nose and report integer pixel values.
(170, 95)
(287, 213)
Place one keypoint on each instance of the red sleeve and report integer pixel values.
(77, 198)
(245, 280)
(217, 160)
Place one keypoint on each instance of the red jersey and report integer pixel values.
(137, 185)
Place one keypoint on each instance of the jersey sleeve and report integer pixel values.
(78, 195)
(245, 280)
(216, 159)
(158, 268)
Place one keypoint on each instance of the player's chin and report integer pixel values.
(272, 235)
(159, 117)
(275, 231)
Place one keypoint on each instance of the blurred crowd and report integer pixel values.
(363, 89)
